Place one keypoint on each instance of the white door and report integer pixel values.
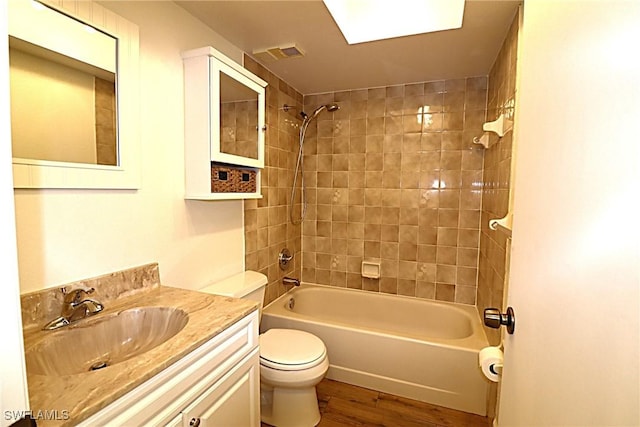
(13, 384)
(575, 263)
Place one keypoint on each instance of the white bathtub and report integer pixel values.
(420, 349)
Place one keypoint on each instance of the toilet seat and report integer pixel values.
(291, 350)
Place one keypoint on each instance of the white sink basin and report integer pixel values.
(103, 341)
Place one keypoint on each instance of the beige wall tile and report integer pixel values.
(391, 176)
(496, 166)
(445, 292)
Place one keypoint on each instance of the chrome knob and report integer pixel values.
(284, 257)
(493, 318)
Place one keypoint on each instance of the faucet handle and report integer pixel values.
(75, 295)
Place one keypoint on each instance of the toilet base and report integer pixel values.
(285, 407)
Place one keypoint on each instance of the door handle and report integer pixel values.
(494, 319)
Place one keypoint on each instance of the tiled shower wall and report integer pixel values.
(496, 183)
(266, 221)
(393, 176)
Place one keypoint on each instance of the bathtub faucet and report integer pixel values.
(290, 281)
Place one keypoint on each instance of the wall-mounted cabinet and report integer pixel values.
(224, 127)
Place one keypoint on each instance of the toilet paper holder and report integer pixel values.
(491, 360)
(493, 318)
(496, 369)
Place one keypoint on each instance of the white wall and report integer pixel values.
(574, 359)
(67, 235)
(13, 384)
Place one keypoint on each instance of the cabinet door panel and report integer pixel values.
(234, 401)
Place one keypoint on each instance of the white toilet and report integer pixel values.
(292, 362)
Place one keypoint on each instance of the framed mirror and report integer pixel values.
(237, 114)
(74, 96)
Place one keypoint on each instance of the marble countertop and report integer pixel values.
(77, 397)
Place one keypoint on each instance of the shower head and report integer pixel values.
(306, 119)
(328, 107)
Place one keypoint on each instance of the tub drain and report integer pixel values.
(98, 365)
(291, 303)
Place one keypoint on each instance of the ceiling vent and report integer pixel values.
(276, 53)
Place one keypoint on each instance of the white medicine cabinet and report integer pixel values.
(224, 127)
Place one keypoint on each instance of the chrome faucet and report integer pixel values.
(75, 308)
(290, 281)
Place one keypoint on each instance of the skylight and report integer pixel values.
(368, 20)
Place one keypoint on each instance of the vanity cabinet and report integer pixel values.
(218, 384)
(224, 127)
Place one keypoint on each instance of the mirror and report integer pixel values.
(53, 91)
(237, 111)
(238, 118)
(74, 96)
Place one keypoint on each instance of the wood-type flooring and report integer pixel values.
(347, 405)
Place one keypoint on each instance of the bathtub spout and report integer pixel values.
(290, 281)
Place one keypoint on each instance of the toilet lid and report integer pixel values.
(289, 349)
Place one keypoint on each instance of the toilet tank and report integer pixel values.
(248, 285)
